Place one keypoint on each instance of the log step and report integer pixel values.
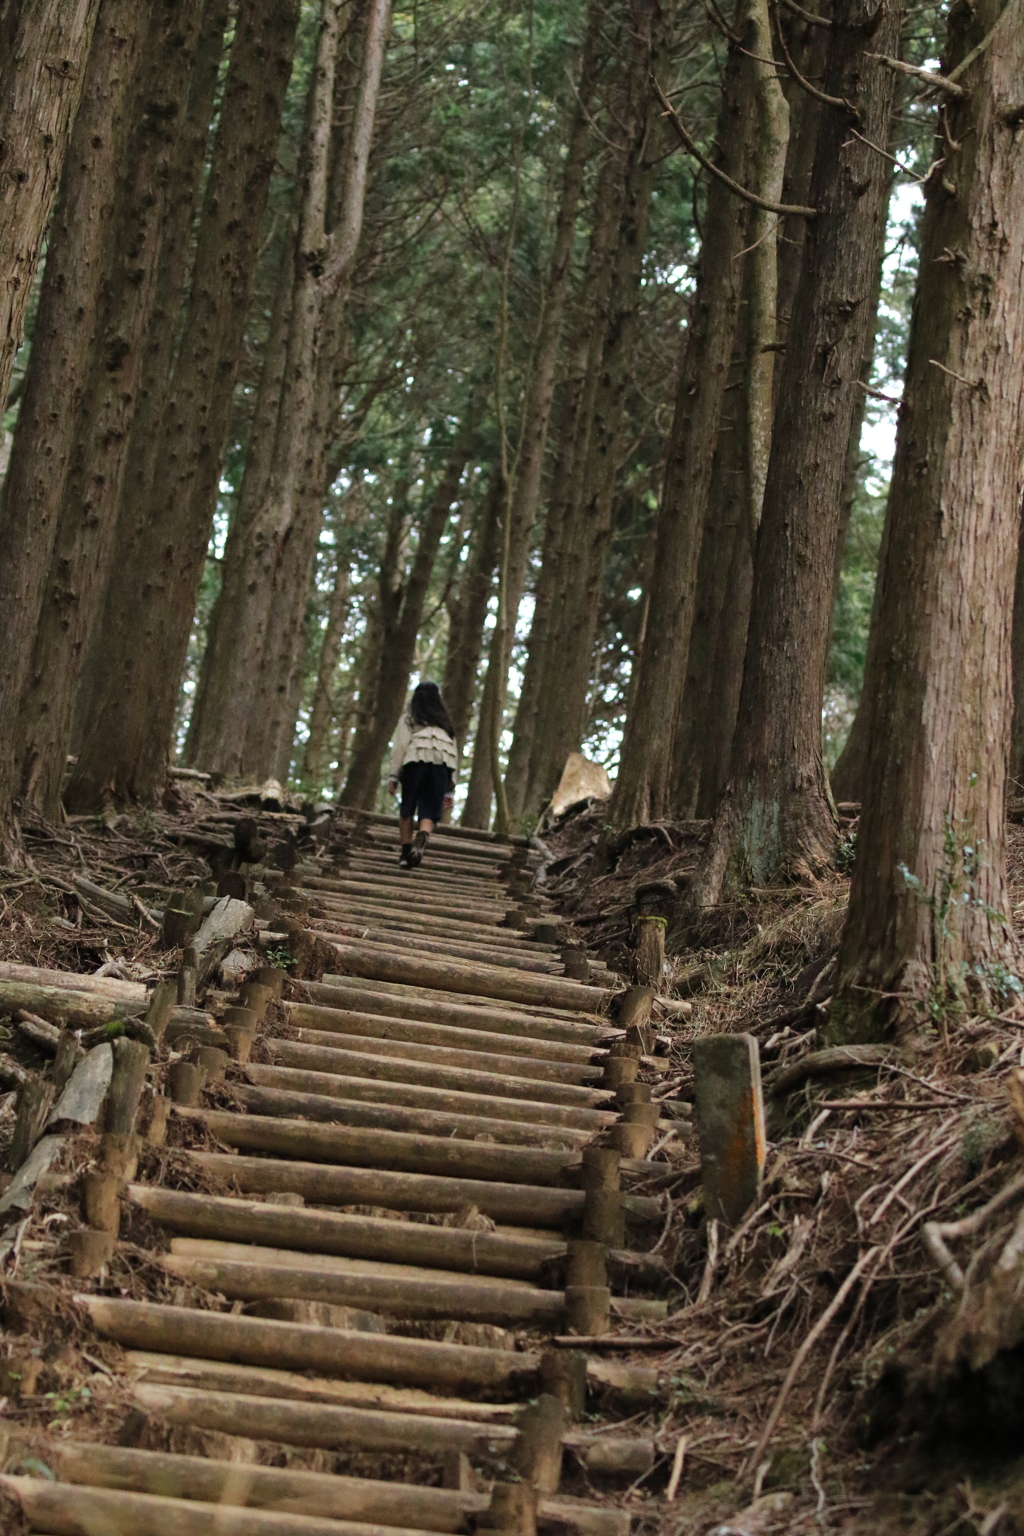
(322, 1106)
(328, 1427)
(348, 1021)
(369, 1237)
(476, 980)
(230, 1484)
(370, 1357)
(257, 1381)
(514, 1205)
(568, 1018)
(475, 1056)
(318, 1056)
(307, 1278)
(65, 1509)
(356, 995)
(398, 1151)
(417, 1095)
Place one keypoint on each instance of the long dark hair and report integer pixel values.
(426, 707)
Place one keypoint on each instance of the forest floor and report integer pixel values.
(828, 1372)
(896, 1406)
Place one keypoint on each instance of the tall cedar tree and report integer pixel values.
(271, 723)
(559, 695)
(776, 816)
(536, 412)
(44, 45)
(725, 573)
(77, 265)
(401, 610)
(928, 904)
(642, 786)
(152, 226)
(164, 524)
(256, 628)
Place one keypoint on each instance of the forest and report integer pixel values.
(551, 351)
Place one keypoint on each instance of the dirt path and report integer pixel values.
(367, 1230)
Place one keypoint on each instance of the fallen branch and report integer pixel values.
(837, 1058)
(801, 1355)
(935, 1233)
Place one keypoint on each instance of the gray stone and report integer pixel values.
(18, 1194)
(730, 1120)
(86, 1088)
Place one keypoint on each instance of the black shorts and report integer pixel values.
(424, 786)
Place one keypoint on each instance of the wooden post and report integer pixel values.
(649, 964)
(634, 1006)
(620, 1071)
(563, 1374)
(102, 1201)
(131, 1058)
(603, 1217)
(68, 1050)
(165, 995)
(537, 1456)
(90, 1252)
(272, 976)
(185, 1083)
(35, 1100)
(187, 979)
(513, 1511)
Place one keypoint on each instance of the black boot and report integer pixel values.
(405, 860)
(419, 844)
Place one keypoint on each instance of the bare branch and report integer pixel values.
(709, 165)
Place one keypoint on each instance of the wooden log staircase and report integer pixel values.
(427, 1121)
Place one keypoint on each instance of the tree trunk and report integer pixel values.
(153, 224)
(271, 722)
(210, 743)
(44, 48)
(776, 816)
(721, 615)
(643, 783)
(77, 263)
(550, 575)
(399, 637)
(721, 612)
(1017, 657)
(617, 246)
(467, 609)
(165, 523)
(322, 709)
(928, 914)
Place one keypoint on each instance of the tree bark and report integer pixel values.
(467, 609)
(776, 816)
(928, 903)
(322, 710)
(153, 225)
(517, 777)
(77, 263)
(643, 784)
(623, 196)
(398, 646)
(725, 573)
(1017, 660)
(44, 48)
(167, 511)
(295, 504)
(209, 742)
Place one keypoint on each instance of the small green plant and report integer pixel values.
(65, 1402)
(280, 956)
(954, 900)
(846, 852)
